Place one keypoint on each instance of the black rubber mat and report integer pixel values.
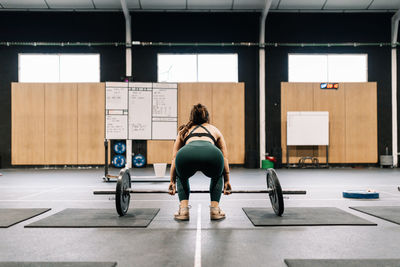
(303, 216)
(9, 217)
(57, 264)
(343, 263)
(97, 218)
(388, 213)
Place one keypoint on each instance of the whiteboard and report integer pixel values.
(140, 113)
(116, 127)
(308, 128)
(151, 110)
(164, 130)
(165, 111)
(165, 103)
(116, 95)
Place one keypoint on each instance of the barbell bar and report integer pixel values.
(265, 191)
(124, 190)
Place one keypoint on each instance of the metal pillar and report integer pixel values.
(395, 29)
(262, 79)
(128, 58)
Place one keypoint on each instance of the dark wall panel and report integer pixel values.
(62, 26)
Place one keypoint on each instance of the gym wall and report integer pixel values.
(110, 27)
(203, 27)
(58, 123)
(328, 28)
(352, 120)
(63, 123)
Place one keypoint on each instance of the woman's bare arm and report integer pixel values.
(222, 146)
(177, 145)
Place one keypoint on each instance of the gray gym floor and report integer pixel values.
(232, 242)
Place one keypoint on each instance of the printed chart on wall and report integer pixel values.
(144, 111)
(116, 110)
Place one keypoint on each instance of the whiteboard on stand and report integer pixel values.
(150, 110)
(308, 128)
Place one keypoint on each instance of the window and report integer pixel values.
(197, 68)
(59, 68)
(177, 68)
(328, 68)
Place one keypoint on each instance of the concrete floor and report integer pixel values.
(232, 242)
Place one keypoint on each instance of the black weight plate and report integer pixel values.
(122, 198)
(275, 195)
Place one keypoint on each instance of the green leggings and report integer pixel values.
(199, 156)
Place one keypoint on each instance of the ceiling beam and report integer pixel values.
(279, 3)
(370, 4)
(47, 4)
(323, 6)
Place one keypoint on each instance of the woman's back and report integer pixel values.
(203, 132)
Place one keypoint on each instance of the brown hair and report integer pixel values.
(198, 115)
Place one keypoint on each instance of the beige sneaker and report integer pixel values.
(216, 213)
(182, 214)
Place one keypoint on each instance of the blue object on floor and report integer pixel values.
(361, 194)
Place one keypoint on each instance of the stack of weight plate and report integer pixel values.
(119, 160)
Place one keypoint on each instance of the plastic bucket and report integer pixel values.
(267, 164)
(159, 169)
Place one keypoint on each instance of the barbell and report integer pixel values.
(124, 190)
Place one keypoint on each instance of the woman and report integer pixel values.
(199, 146)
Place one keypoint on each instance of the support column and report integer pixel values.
(395, 30)
(128, 72)
(262, 80)
(394, 107)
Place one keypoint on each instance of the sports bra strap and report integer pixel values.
(195, 129)
(208, 134)
(204, 129)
